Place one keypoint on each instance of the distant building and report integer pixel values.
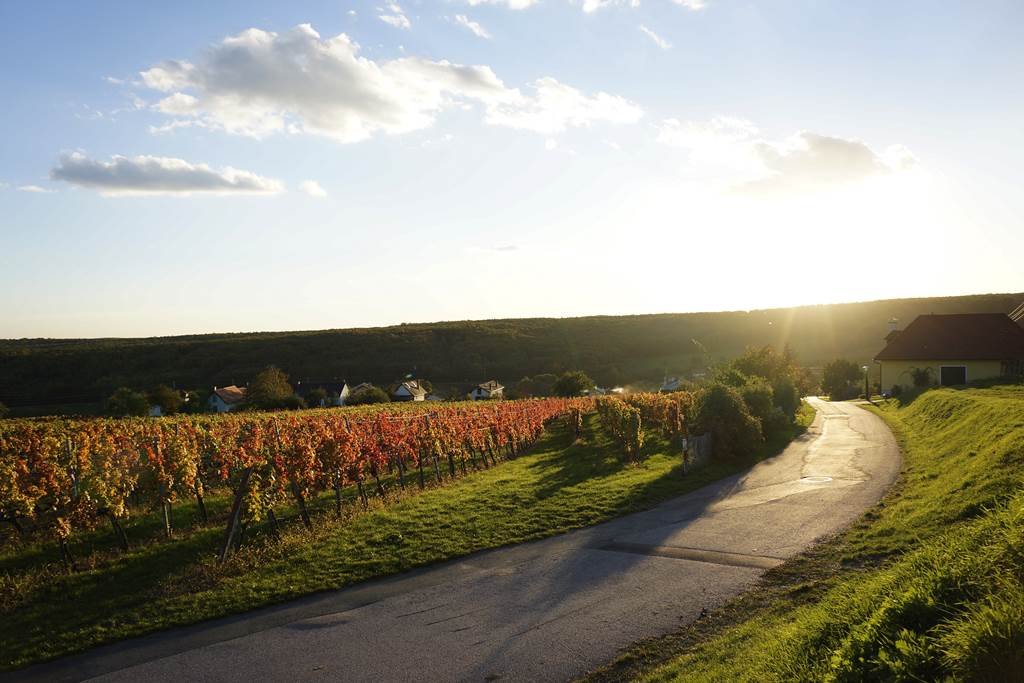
(952, 349)
(409, 390)
(487, 390)
(337, 392)
(435, 397)
(226, 399)
(671, 384)
(156, 411)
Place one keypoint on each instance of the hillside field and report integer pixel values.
(612, 349)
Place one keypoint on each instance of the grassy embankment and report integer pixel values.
(929, 585)
(558, 486)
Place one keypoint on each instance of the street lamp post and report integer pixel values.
(867, 392)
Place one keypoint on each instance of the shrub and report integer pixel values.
(786, 396)
(777, 422)
(124, 402)
(757, 394)
(269, 389)
(572, 384)
(721, 410)
(841, 379)
(367, 395)
(168, 399)
(922, 377)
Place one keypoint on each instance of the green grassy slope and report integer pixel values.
(613, 349)
(928, 586)
(558, 486)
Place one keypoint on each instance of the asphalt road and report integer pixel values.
(543, 611)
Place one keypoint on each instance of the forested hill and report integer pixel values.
(613, 349)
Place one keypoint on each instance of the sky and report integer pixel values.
(193, 167)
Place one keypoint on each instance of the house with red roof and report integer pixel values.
(949, 350)
(226, 399)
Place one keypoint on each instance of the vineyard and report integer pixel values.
(61, 477)
(115, 528)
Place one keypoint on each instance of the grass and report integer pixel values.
(558, 486)
(929, 585)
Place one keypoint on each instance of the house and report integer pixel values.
(489, 389)
(226, 399)
(409, 390)
(952, 349)
(671, 384)
(337, 392)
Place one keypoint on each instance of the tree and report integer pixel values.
(538, 385)
(195, 402)
(269, 389)
(125, 402)
(168, 399)
(721, 411)
(758, 396)
(572, 383)
(4, 411)
(370, 394)
(317, 397)
(840, 379)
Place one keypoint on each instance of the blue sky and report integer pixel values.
(235, 166)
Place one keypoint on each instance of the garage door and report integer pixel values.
(953, 374)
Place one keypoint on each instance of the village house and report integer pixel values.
(670, 384)
(951, 350)
(226, 399)
(409, 390)
(337, 393)
(487, 390)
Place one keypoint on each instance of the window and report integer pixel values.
(951, 375)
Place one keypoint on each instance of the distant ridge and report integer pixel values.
(613, 349)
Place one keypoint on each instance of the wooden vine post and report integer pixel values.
(235, 518)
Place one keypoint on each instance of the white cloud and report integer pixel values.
(437, 142)
(590, 6)
(477, 30)
(557, 106)
(511, 4)
(33, 188)
(812, 159)
(260, 83)
(312, 188)
(396, 17)
(496, 249)
(658, 40)
(802, 160)
(145, 175)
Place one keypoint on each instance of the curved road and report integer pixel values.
(543, 611)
